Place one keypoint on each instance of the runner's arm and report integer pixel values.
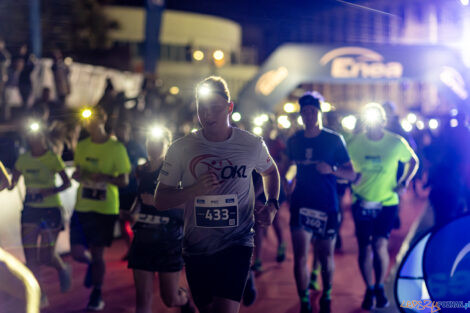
(167, 197)
(271, 182)
(14, 179)
(346, 171)
(65, 185)
(411, 169)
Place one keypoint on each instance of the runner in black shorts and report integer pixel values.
(376, 154)
(158, 235)
(209, 172)
(42, 212)
(102, 165)
(321, 157)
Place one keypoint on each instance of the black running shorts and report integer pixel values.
(222, 274)
(45, 218)
(92, 229)
(368, 229)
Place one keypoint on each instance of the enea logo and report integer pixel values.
(222, 168)
(357, 62)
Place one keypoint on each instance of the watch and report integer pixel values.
(273, 201)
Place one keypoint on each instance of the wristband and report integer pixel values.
(273, 201)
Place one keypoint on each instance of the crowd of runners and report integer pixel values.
(203, 202)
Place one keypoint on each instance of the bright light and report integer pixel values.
(218, 55)
(258, 121)
(156, 132)
(349, 122)
(264, 117)
(198, 55)
(174, 90)
(204, 91)
(283, 120)
(34, 127)
(454, 122)
(236, 117)
(412, 118)
(433, 123)
(68, 61)
(289, 107)
(258, 131)
(406, 125)
(325, 107)
(454, 112)
(372, 115)
(464, 2)
(194, 130)
(87, 113)
(300, 121)
(420, 125)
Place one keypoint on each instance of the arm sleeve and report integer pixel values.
(341, 155)
(172, 170)
(264, 160)
(122, 165)
(405, 153)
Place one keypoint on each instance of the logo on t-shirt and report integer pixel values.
(223, 168)
(308, 154)
(92, 160)
(374, 158)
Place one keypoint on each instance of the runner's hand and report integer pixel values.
(98, 177)
(324, 168)
(207, 182)
(264, 216)
(401, 188)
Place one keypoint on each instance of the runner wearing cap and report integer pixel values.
(210, 172)
(321, 157)
(376, 154)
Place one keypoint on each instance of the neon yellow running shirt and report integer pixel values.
(109, 158)
(377, 161)
(39, 173)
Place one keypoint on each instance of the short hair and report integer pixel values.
(311, 98)
(100, 112)
(217, 85)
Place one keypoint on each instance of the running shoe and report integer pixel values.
(325, 305)
(257, 267)
(281, 253)
(381, 299)
(368, 302)
(88, 282)
(305, 307)
(249, 295)
(96, 302)
(65, 278)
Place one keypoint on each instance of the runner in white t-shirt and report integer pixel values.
(209, 172)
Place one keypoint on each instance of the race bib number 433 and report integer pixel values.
(216, 211)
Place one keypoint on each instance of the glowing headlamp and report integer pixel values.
(205, 91)
(34, 127)
(373, 114)
(87, 113)
(156, 132)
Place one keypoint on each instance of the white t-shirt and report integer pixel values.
(223, 217)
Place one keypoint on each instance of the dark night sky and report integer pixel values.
(266, 24)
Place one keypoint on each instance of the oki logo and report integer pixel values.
(357, 62)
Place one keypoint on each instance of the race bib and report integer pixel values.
(33, 196)
(370, 209)
(94, 191)
(216, 211)
(314, 220)
(152, 219)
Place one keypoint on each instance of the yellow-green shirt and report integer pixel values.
(377, 161)
(39, 172)
(108, 158)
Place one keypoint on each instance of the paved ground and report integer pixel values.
(276, 287)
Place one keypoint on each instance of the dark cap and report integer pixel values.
(311, 98)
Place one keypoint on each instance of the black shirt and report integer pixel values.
(171, 221)
(313, 189)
